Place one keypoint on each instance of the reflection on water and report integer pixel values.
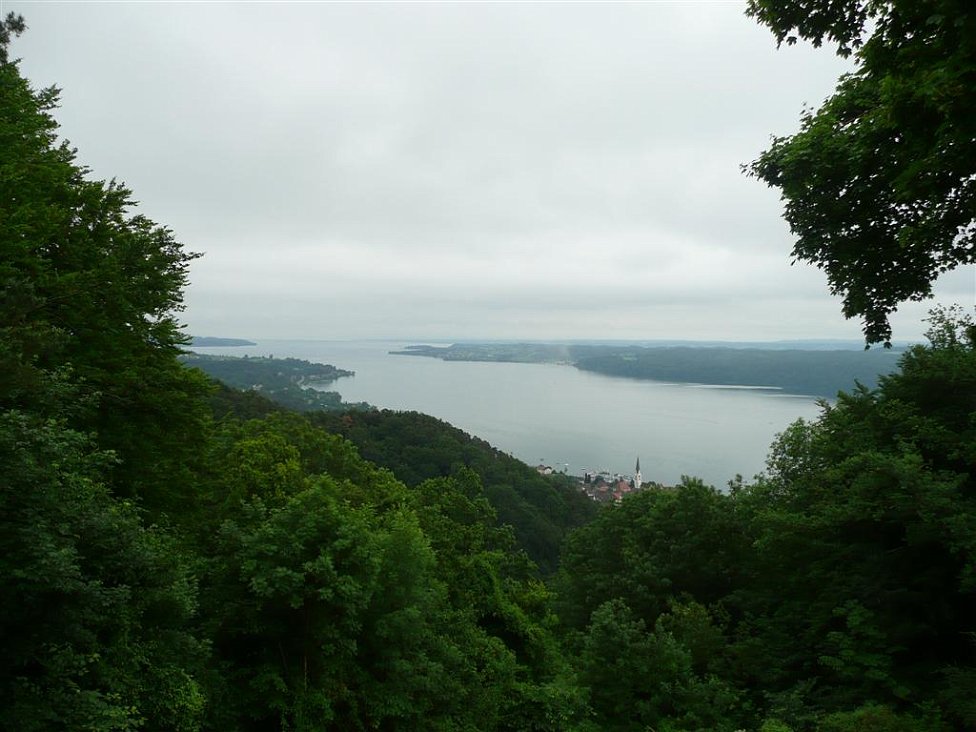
(563, 417)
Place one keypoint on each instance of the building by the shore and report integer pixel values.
(605, 487)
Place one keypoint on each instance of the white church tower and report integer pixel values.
(638, 478)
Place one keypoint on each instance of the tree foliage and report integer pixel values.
(417, 447)
(835, 592)
(658, 544)
(879, 185)
(870, 531)
(337, 598)
(90, 286)
(95, 607)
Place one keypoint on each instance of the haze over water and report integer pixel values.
(560, 416)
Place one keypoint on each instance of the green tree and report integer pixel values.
(864, 588)
(656, 545)
(86, 283)
(879, 185)
(94, 608)
(643, 678)
(492, 585)
(325, 602)
(325, 614)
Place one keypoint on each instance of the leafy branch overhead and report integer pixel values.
(879, 184)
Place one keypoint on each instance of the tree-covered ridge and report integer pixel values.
(287, 381)
(268, 373)
(540, 510)
(331, 594)
(818, 373)
(417, 447)
(798, 371)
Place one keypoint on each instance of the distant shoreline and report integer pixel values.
(215, 342)
(811, 372)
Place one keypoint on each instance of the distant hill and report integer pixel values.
(817, 371)
(213, 341)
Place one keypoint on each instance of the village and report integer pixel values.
(605, 487)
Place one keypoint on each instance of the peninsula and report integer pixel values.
(290, 382)
(814, 372)
(213, 341)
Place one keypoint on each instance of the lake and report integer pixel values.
(572, 420)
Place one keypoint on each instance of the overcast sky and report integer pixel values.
(438, 170)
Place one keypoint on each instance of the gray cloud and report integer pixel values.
(452, 170)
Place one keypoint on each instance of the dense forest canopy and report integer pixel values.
(178, 555)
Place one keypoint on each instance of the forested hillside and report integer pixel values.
(819, 372)
(177, 555)
(417, 447)
(287, 381)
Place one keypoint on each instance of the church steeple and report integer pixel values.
(638, 478)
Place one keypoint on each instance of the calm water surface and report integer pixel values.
(564, 417)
